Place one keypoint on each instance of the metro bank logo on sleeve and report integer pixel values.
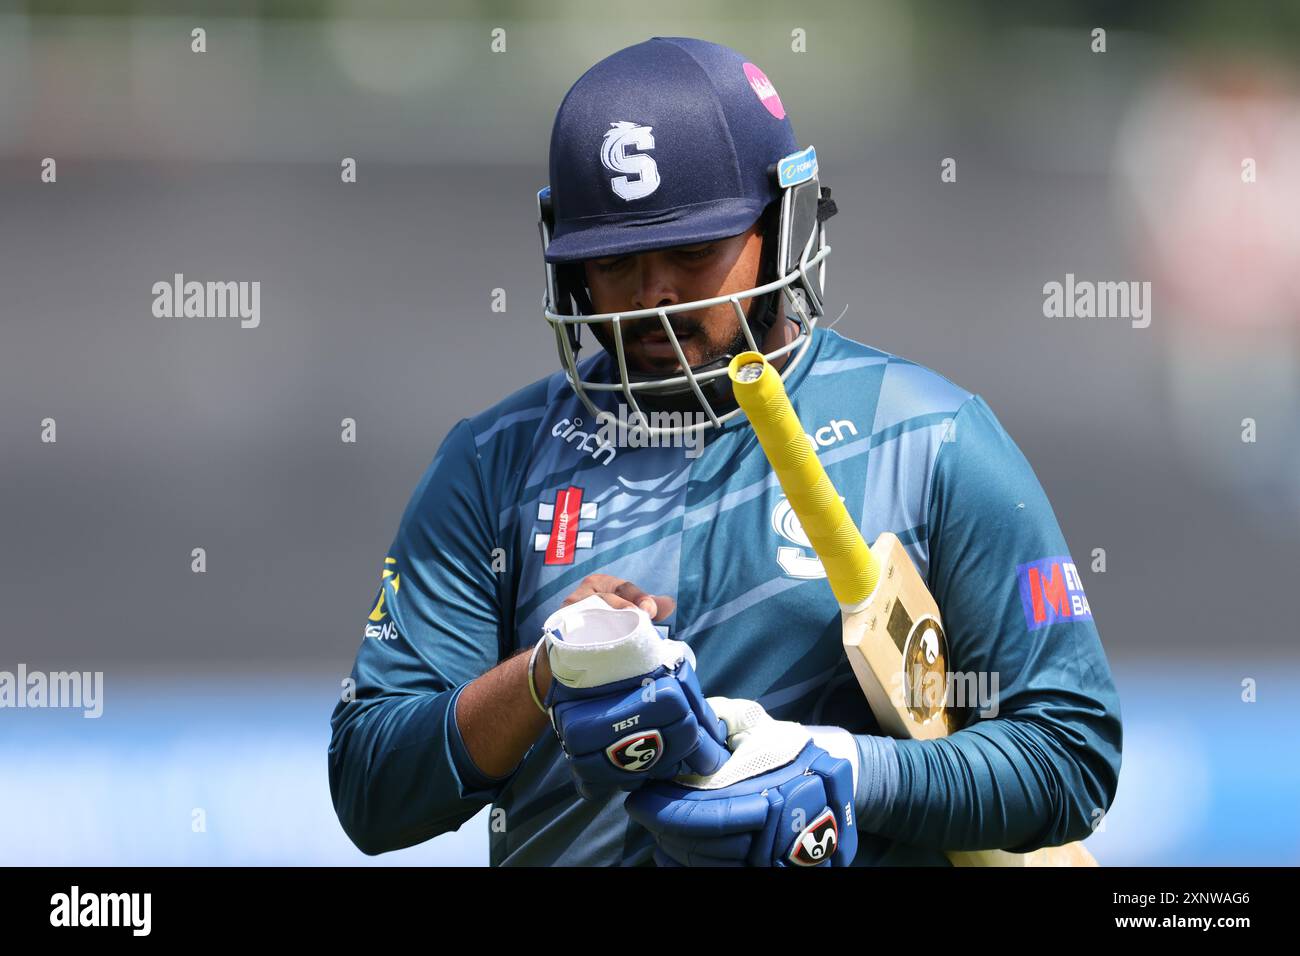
(1051, 592)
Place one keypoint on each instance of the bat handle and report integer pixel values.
(851, 568)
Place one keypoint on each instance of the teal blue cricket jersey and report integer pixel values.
(522, 502)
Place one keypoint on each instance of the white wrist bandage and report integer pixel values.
(590, 643)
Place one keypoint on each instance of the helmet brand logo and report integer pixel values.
(764, 90)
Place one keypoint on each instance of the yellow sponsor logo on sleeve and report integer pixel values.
(378, 614)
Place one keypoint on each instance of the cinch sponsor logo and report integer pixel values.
(594, 443)
(1050, 591)
(828, 435)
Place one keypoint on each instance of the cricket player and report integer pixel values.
(597, 598)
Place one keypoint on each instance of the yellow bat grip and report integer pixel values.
(850, 566)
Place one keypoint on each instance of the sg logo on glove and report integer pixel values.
(817, 842)
(638, 753)
(755, 810)
(625, 701)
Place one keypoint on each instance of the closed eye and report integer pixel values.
(692, 254)
(609, 265)
(695, 255)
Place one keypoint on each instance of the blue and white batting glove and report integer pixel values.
(625, 701)
(784, 798)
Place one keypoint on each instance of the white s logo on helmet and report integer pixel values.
(638, 173)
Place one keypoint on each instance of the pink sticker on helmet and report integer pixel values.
(764, 90)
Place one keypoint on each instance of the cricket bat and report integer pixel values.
(892, 630)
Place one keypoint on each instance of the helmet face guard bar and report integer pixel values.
(800, 255)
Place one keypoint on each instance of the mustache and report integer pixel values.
(681, 326)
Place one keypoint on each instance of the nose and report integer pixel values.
(654, 288)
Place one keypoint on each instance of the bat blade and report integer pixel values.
(892, 630)
(898, 650)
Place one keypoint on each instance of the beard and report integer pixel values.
(720, 354)
(715, 354)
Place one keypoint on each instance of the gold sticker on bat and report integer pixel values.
(925, 669)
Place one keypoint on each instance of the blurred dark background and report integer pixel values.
(175, 434)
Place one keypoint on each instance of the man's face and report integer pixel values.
(667, 277)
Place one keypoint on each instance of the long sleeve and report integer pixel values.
(1039, 766)
(398, 772)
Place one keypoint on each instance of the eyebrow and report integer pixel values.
(685, 245)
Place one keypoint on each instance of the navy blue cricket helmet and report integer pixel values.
(674, 142)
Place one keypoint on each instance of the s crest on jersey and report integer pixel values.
(637, 172)
(797, 559)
